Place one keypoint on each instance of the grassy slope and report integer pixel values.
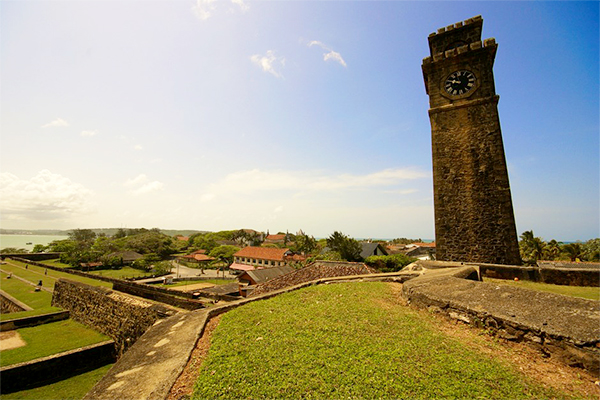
(72, 388)
(39, 301)
(346, 340)
(52, 338)
(123, 273)
(586, 292)
(48, 276)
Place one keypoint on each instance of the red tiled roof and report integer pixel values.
(263, 253)
(276, 237)
(201, 251)
(242, 267)
(185, 238)
(423, 244)
(203, 257)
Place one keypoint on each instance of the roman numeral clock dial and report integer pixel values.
(459, 83)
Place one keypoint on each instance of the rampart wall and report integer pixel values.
(121, 317)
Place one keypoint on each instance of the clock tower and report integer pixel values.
(474, 220)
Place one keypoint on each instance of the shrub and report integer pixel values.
(391, 263)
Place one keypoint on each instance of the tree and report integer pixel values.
(224, 253)
(39, 248)
(304, 244)
(391, 263)
(591, 250)
(531, 248)
(13, 250)
(348, 248)
(572, 250)
(83, 237)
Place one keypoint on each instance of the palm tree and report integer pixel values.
(572, 250)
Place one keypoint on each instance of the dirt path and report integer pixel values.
(11, 340)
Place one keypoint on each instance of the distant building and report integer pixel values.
(422, 251)
(372, 249)
(126, 257)
(249, 279)
(263, 257)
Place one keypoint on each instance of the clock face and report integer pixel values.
(459, 82)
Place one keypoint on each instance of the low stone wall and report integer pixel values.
(35, 320)
(580, 274)
(121, 317)
(54, 368)
(564, 327)
(33, 256)
(314, 271)
(163, 295)
(9, 304)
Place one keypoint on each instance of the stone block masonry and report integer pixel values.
(123, 318)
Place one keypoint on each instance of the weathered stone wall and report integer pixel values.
(121, 317)
(8, 306)
(53, 368)
(33, 256)
(163, 295)
(585, 275)
(34, 320)
(314, 271)
(564, 327)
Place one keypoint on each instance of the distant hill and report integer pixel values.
(106, 231)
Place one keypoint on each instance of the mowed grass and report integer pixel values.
(48, 339)
(123, 273)
(39, 301)
(215, 282)
(48, 276)
(72, 388)
(347, 341)
(586, 292)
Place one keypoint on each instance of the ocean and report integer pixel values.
(20, 241)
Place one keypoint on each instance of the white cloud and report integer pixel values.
(88, 133)
(330, 55)
(266, 62)
(56, 123)
(243, 6)
(46, 196)
(203, 9)
(138, 147)
(142, 185)
(255, 180)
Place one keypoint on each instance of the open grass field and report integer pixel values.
(57, 263)
(214, 282)
(48, 276)
(39, 301)
(72, 388)
(350, 341)
(592, 293)
(123, 273)
(52, 338)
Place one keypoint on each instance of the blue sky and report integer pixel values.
(281, 115)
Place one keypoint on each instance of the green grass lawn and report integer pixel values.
(57, 263)
(52, 338)
(34, 274)
(348, 341)
(72, 388)
(215, 282)
(39, 301)
(586, 292)
(123, 273)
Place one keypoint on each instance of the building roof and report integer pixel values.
(263, 253)
(242, 267)
(368, 249)
(201, 251)
(126, 256)
(266, 274)
(275, 238)
(430, 245)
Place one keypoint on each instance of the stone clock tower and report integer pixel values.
(474, 220)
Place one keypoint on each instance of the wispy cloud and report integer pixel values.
(204, 9)
(138, 147)
(306, 182)
(56, 123)
(330, 53)
(267, 62)
(142, 185)
(46, 196)
(88, 133)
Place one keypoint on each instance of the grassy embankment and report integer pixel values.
(586, 292)
(45, 340)
(48, 276)
(39, 301)
(215, 282)
(72, 388)
(351, 341)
